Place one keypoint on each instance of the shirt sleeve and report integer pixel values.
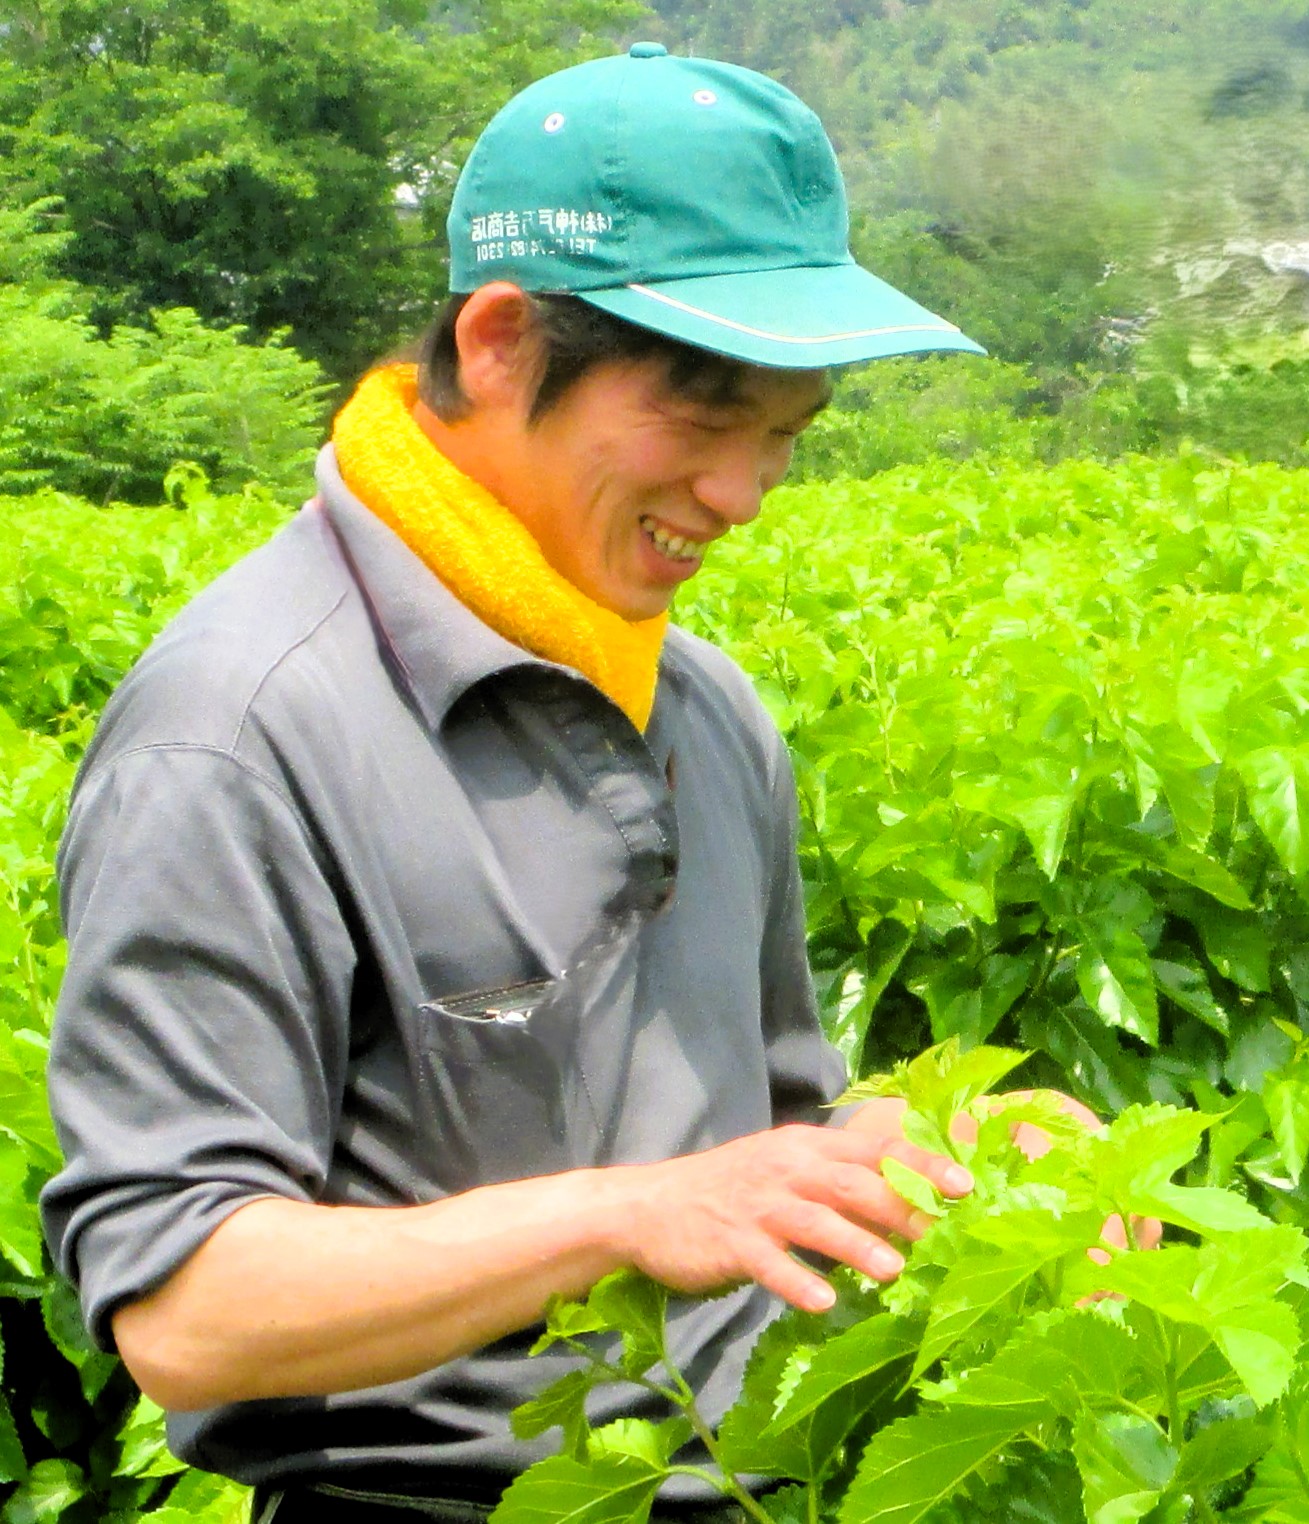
(805, 1071)
(201, 1036)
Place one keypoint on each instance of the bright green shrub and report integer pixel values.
(1054, 770)
(107, 418)
(85, 589)
(993, 1380)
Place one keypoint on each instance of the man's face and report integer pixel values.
(624, 484)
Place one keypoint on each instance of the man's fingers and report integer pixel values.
(1148, 1231)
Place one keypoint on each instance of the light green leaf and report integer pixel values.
(860, 1351)
(980, 1283)
(562, 1404)
(1115, 977)
(1277, 786)
(143, 1447)
(913, 1187)
(918, 1462)
(639, 1439)
(635, 1305)
(49, 1488)
(1286, 1097)
(1126, 1463)
(1261, 1342)
(1070, 1358)
(20, 1233)
(612, 1488)
(1221, 1451)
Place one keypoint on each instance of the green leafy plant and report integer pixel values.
(1007, 1373)
(86, 589)
(1049, 735)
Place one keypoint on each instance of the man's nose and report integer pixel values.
(732, 485)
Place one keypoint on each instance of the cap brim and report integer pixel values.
(799, 319)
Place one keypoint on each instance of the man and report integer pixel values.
(436, 939)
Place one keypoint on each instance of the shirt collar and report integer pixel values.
(438, 647)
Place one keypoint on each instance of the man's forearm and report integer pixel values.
(290, 1298)
(287, 1298)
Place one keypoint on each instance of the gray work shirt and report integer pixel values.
(368, 905)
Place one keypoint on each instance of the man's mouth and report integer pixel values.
(675, 546)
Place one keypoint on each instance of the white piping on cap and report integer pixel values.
(785, 338)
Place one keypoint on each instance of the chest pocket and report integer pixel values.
(528, 1079)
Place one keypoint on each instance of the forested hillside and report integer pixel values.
(1094, 188)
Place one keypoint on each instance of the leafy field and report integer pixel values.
(1054, 766)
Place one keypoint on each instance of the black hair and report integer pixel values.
(577, 337)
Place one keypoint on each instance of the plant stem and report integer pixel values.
(1203, 1513)
(1174, 1402)
(727, 1482)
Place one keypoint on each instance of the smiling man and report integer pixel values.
(436, 932)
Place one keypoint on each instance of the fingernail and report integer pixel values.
(820, 1299)
(919, 1222)
(957, 1180)
(883, 1262)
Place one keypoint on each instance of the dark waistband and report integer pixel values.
(328, 1503)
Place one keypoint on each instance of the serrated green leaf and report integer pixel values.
(13, 1464)
(788, 1505)
(562, 1404)
(609, 1489)
(634, 1305)
(567, 1319)
(1070, 1358)
(981, 1282)
(841, 1362)
(637, 1438)
(918, 1462)
(1238, 946)
(201, 1496)
(1221, 1451)
(63, 1322)
(1126, 1462)
(20, 1233)
(143, 1446)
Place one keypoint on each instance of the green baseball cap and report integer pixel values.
(695, 198)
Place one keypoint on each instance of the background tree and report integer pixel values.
(242, 157)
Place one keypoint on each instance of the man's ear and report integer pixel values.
(499, 346)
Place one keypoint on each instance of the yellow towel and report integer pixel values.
(481, 551)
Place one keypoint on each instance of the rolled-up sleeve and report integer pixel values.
(201, 1037)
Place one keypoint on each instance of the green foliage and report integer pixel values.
(107, 418)
(1048, 728)
(241, 158)
(1123, 1385)
(85, 589)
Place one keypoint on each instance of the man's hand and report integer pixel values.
(735, 1212)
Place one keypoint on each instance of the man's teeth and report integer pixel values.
(674, 545)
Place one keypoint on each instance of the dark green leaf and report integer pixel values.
(1184, 982)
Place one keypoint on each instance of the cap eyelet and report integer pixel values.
(705, 98)
(554, 121)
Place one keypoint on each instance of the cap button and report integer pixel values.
(647, 50)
